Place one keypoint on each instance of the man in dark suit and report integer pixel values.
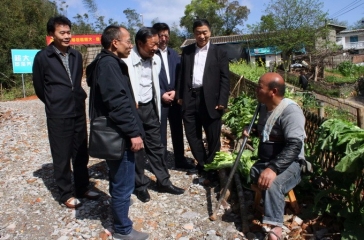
(170, 109)
(203, 92)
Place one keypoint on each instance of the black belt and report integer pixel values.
(196, 90)
(144, 104)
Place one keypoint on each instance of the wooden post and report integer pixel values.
(321, 109)
(360, 117)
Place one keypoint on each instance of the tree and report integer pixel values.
(134, 22)
(290, 25)
(336, 21)
(233, 16)
(358, 24)
(176, 37)
(224, 16)
(81, 24)
(23, 26)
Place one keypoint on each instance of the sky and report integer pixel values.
(170, 11)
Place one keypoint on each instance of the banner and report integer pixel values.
(85, 39)
(22, 60)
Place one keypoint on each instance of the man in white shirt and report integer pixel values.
(203, 93)
(144, 68)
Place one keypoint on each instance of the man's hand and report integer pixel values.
(266, 178)
(168, 97)
(219, 107)
(136, 144)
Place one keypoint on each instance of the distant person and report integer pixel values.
(144, 68)
(303, 81)
(170, 109)
(203, 93)
(114, 98)
(57, 74)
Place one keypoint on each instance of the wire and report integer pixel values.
(340, 12)
(344, 8)
(349, 10)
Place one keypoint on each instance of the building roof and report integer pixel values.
(226, 39)
(348, 32)
(338, 28)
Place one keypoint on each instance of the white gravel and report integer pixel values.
(29, 207)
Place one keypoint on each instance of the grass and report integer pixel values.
(17, 92)
(250, 71)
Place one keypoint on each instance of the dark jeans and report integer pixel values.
(274, 197)
(121, 186)
(153, 150)
(68, 139)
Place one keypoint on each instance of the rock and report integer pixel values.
(188, 226)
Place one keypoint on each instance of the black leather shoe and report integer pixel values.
(171, 189)
(192, 171)
(142, 195)
(184, 165)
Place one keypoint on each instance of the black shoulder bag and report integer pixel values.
(106, 140)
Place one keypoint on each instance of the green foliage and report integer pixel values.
(346, 180)
(23, 26)
(250, 71)
(227, 159)
(350, 70)
(291, 24)
(240, 113)
(224, 16)
(134, 22)
(336, 79)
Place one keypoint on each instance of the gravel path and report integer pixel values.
(29, 208)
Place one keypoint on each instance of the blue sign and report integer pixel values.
(23, 60)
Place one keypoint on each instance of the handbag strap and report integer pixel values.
(92, 110)
(93, 90)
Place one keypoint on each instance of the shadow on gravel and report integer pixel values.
(91, 209)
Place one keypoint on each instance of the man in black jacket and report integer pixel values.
(113, 97)
(281, 129)
(203, 93)
(57, 74)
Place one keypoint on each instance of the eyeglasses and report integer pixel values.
(127, 42)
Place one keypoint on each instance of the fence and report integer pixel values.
(240, 84)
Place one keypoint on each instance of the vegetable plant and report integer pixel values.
(240, 113)
(346, 178)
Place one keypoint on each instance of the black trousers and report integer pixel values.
(153, 150)
(174, 115)
(196, 117)
(68, 140)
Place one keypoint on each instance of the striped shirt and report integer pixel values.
(64, 57)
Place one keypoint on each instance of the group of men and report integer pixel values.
(140, 87)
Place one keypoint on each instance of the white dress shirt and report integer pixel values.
(146, 86)
(164, 54)
(199, 65)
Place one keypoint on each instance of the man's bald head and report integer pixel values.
(274, 80)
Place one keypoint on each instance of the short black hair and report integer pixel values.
(61, 20)
(161, 27)
(281, 88)
(109, 34)
(144, 33)
(199, 23)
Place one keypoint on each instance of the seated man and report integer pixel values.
(281, 131)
